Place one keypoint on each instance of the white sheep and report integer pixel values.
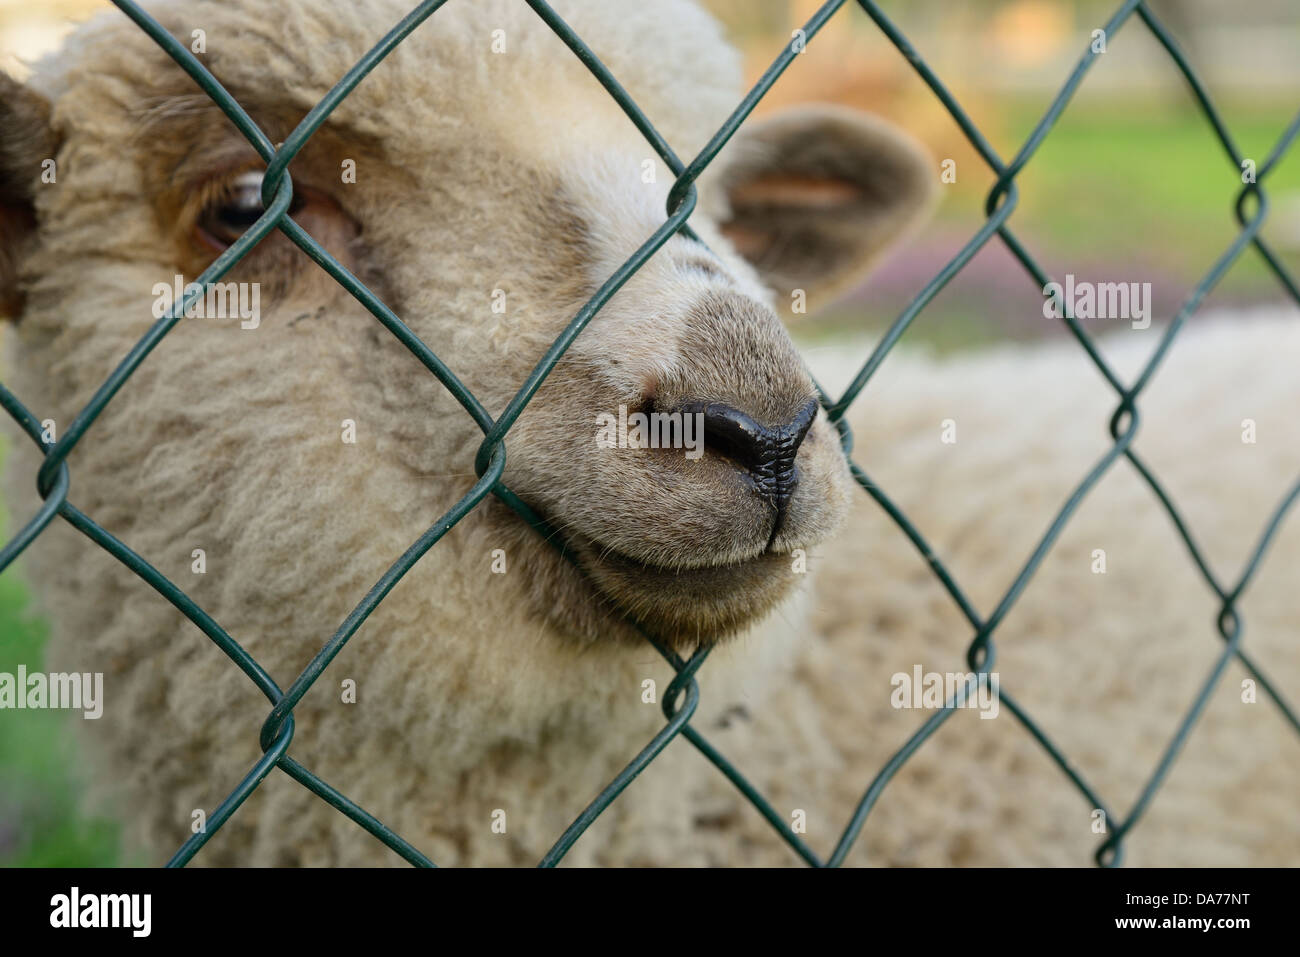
(499, 686)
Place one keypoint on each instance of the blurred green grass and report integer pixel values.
(41, 824)
(1152, 177)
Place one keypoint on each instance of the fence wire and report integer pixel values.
(682, 697)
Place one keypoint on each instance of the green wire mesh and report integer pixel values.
(682, 697)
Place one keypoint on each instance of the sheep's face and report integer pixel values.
(677, 449)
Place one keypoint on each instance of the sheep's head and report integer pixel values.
(484, 185)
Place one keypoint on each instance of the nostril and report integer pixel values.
(729, 432)
(766, 453)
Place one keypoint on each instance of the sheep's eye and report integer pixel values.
(234, 209)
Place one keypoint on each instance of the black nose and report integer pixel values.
(765, 453)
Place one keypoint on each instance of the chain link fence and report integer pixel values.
(682, 697)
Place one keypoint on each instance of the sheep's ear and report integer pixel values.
(26, 141)
(816, 193)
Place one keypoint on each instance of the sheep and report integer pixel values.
(275, 468)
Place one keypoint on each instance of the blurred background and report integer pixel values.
(1131, 184)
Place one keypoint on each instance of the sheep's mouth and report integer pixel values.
(621, 561)
(687, 605)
